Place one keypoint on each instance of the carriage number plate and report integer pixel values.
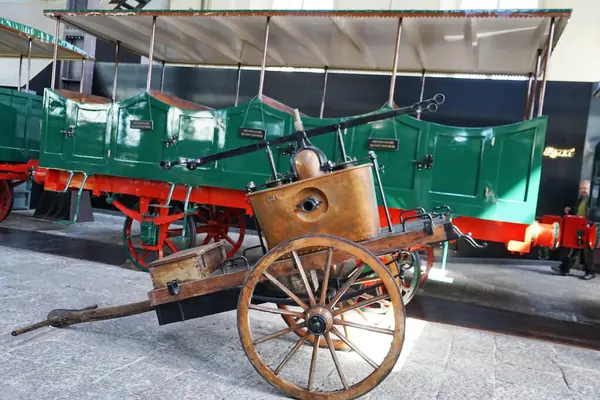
(383, 144)
(141, 124)
(252, 133)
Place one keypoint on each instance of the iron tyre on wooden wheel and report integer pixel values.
(320, 318)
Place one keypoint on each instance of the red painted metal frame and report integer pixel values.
(17, 171)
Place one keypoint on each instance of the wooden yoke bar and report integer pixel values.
(384, 244)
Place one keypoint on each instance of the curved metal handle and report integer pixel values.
(421, 209)
(418, 216)
(469, 239)
(69, 132)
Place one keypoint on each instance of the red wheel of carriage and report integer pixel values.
(155, 241)
(6, 199)
(219, 223)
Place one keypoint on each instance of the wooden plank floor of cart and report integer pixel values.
(497, 331)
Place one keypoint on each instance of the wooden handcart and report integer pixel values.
(321, 273)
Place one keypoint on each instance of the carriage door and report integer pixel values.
(399, 145)
(87, 132)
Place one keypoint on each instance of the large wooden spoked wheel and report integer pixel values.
(6, 199)
(404, 265)
(294, 367)
(174, 239)
(214, 224)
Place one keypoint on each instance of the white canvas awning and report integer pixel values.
(487, 42)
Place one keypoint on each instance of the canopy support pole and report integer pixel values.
(528, 98)
(20, 70)
(55, 55)
(535, 83)
(237, 86)
(546, 59)
(264, 60)
(422, 92)
(395, 66)
(114, 91)
(28, 65)
(81, 79)
(162, 76)
(151, 55)
(324, 93)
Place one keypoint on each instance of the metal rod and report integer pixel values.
(324, 93)
(546, 59)
(55, 55)
(264, 60)
(535, 83)
(82, 75)
(151, 55)
(395, 65)
(20, 70)
(341, 142)
(162, 77)
(373, 158)
(28, 65)
(271, 162)
(114, 91)
(237, 87)
(528, 98)
(422, 92)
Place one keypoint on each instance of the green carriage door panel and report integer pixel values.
(12, 113)
(89, 142)
(459, 174)
(137, 149)
(56, 122)
(34, 127)
(253, 166)
(515, 155)
(400, 178)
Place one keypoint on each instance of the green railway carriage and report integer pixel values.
(21, 123)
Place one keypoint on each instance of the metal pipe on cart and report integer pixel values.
(422, 91)
(373, 158)
(114, 91)
(546, 59)
(324, 94)
(28, 65)
(237, 86)
(395, 64)
(264, 60)
(162, 76)
(55, 54)
(535, 82)
(528, 98)
(341, 143)
(20, 70)
(151, 55)
(271, 162)
(82, 75)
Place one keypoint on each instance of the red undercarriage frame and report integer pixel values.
(549, 231)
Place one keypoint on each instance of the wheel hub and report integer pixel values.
(319, 320)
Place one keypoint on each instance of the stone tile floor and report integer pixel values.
(135, 358)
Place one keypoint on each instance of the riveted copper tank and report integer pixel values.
(341, 203)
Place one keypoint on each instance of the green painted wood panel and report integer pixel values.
(20, 124)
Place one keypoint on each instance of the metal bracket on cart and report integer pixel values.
(469, 239)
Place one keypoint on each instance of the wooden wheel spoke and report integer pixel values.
(359, 311)
(229, 239)
(286, 290)
(335, 360)
(326, 279)
(274, 335)
(313, 364)
(292, 352)
(365, 357)
(294, 314)
(298, 264)
(361, 326)
(144, 254)
(355, 274)
(360, 304)
(171, 246)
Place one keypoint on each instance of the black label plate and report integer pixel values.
(383, 144)
(141, 124)
(253, 133)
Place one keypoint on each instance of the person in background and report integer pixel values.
(585, 255)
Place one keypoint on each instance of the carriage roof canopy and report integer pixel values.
(468, 42)
(14, 42)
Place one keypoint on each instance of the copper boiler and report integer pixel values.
(341, 203)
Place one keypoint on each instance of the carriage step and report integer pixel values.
(59, 206)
